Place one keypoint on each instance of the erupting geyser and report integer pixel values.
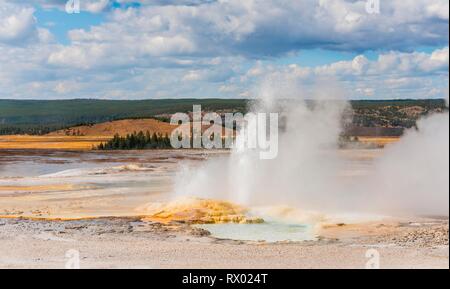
(411, 177)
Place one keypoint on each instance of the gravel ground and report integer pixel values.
(131, 243)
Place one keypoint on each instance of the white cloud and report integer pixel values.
(166, 45)
(77, 56)
(192, 76)
(198, 48)
(227, 88)
(389, 64)
(65, 87)
(256, 28)
(394, 74)
(366, 91)
(95, 6)
(17, 24)
(92, 6)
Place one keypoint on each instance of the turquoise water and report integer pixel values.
(268, 232)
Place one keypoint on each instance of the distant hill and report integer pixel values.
(95, 111)
(121, 127)
(46, 116)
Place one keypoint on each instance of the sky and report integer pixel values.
(153, 49)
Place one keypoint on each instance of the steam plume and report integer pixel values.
(411, 176)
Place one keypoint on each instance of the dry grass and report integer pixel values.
(121, 127)
(51, 142)
(88, 136)
(41, 188)
(61, 142)
(382, 141)
(124, 127)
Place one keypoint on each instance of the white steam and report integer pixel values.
(303, 174)
(413, 175)
(309, 172)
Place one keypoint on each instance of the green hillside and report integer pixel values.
(43, 116)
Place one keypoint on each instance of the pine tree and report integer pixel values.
(137, 141)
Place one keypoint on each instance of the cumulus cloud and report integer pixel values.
(168, 2)
(394, 74)
(388, 64)
(96, 6)
(66, 87)
(192, 76)
(92, 6)
(256, 28)
(17, 24)
(77, 57)
(198, 48)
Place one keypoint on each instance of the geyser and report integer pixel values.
(305, 171)
(411, 177)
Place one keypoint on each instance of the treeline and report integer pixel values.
(144, 141)
(137, 141)
(71, 112)
(22, 130)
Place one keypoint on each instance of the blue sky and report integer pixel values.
(60, 23)
(204, 48)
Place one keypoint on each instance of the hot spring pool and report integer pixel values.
(268, 232)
